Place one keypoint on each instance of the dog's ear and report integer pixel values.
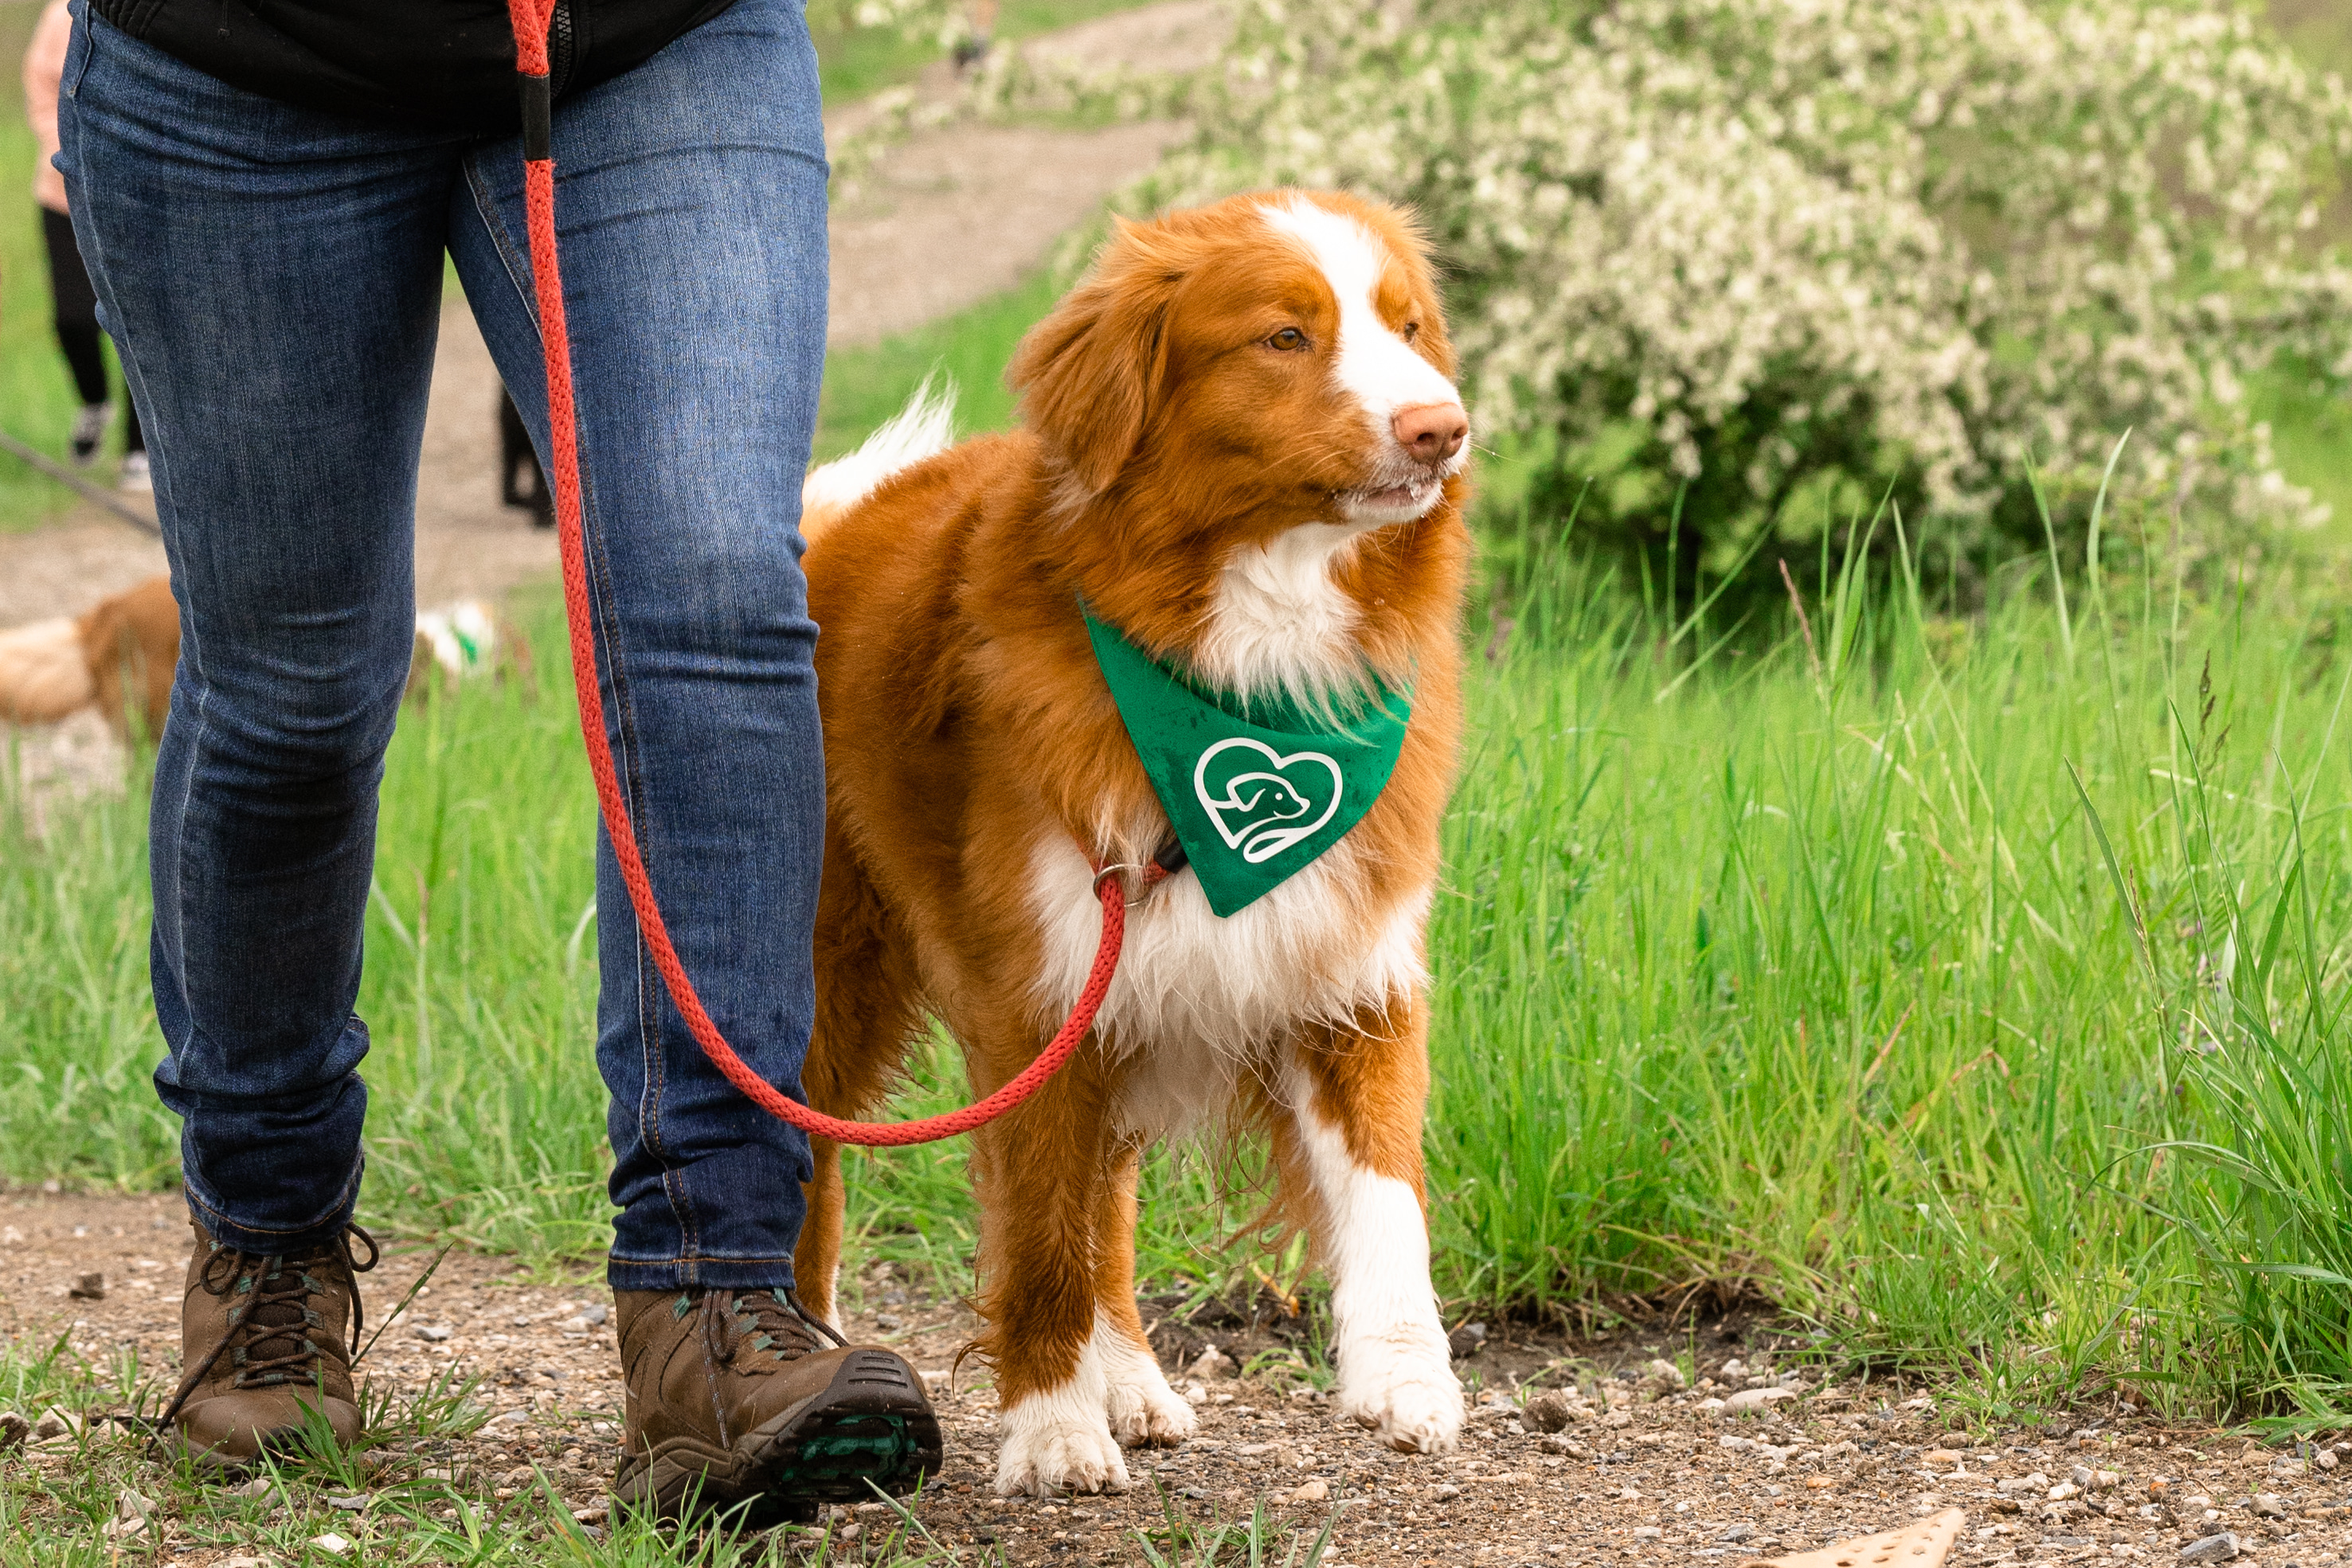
(1090, 376)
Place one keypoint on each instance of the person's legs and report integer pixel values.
(271, 278)
(690, 198)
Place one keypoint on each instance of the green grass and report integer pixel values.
(1825, 985)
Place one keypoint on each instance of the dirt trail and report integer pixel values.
(1758, 1460)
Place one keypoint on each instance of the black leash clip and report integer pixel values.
(537, 111)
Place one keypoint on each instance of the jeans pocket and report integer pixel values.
(77, 49)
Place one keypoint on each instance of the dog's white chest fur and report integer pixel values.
(1198, 997)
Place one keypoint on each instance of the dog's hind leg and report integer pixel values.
(1143, 1409)
(1349, 1132)
(865, 1015)
(1043, 1174)
(816, 1258)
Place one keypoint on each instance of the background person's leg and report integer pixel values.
(691, 204)
(272, 280)
(73, 311)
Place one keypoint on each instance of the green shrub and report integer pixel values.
(1777, 260)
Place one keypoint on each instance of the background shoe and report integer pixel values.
(733, 1397)
(136, 476)
(263, 1342)
(89, 429)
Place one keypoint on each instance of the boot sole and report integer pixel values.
(872, 1423)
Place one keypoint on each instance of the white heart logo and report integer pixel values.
(1261, 810)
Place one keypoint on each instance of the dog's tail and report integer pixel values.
(924, 428)
(44, 672)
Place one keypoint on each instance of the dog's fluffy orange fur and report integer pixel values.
(119, 655)
(1217, 458)
(122, 654)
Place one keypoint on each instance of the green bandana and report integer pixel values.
(1254, 789)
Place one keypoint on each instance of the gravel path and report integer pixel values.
(1578, 1455)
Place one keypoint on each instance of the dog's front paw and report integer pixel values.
(1056, 1443)
(1145, 1412)
(1404, 1389)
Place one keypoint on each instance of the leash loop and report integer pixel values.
(530, 19)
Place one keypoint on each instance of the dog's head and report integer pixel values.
(1277, 358)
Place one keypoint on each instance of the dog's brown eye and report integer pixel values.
(1287, 339)
(1412, 331)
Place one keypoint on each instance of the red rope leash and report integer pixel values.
(530, 19)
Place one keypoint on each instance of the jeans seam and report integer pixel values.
(191, 640)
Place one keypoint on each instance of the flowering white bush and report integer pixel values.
(1790, 253)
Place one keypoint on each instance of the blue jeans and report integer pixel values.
(272, 277)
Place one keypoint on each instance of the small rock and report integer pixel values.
(889, 1323)
(1195, 1394)
(1758, 1398)
(1618, 1419)
(1668, 1372)
(2063, 1490)
(89, 1287)
(597, 1312)
(2269, 1505)
(14, 1429)
(594, 1513)
(1733, 1368)
(1211, 1365)
(1467, 1340)
(1445, 1492)
(55, 1423)
(2325, 1459)
(2218, 1548)
(1820, 1483)
(1941, 1457)
(1957, 1440)
(132, 1514)
(1549, 1411)
(1315, 1490)
(434, 1333)
(1647, 1533)
(1737, 1532)
(355, 1503)
(331, 1544)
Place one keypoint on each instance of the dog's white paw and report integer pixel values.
(1057, 1443)
(1404, 1389)
(1144, 1411)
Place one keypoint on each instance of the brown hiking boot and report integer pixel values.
(733, 1399)
(262, 1340)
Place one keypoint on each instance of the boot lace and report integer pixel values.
(757, 1331)
(270, 1340)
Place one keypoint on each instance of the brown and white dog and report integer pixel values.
(1243, 449)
